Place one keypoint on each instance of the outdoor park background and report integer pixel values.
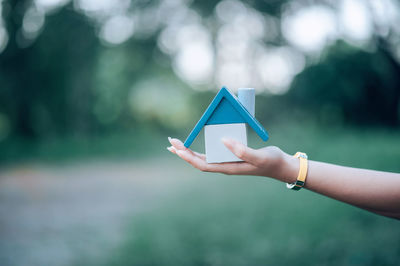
(91, 89)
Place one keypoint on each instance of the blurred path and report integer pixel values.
(70, 215)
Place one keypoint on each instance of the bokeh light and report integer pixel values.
(310, 28)
(355, 20)
(117, 29)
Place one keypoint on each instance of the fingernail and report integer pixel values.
(172, 149)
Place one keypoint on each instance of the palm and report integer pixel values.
(259, 162)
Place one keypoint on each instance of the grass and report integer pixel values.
(227, 220)
(213, 219)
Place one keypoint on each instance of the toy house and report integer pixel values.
(227, 116)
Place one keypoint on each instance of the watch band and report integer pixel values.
(301, 178)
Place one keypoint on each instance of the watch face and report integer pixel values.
(295, 186)
(290, 186)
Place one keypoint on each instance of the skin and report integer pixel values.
(375, 191)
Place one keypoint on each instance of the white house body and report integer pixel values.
(216, 152)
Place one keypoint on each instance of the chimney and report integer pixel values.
(247, 97)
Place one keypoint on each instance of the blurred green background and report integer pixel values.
(91, 89)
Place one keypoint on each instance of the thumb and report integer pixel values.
(242, 151)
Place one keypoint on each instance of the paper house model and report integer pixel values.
(227, 116)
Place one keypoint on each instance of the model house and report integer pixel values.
(227, 116)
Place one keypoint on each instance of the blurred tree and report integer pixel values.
(66, 80)
(46, 83)
(15, 102)
(64, 72)
(362, 87)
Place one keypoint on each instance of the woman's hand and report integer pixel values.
(269, 161)
(374, 191)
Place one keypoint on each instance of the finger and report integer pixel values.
(242, 151)
(194, 160)
(241, 168)
(177, 143)
(201, 155)
(172, 149)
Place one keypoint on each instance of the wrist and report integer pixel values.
(289, 169)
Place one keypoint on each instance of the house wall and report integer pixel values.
(216, 152)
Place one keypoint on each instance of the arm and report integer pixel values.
(374, 191)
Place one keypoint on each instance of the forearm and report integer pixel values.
(372, 190)
(375, 191)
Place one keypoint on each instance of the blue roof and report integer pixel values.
(226, 109)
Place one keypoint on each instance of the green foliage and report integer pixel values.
(357, 86)
(45, 85)
(67, 82)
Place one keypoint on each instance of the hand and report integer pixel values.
(379, 192)
(269, 161)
